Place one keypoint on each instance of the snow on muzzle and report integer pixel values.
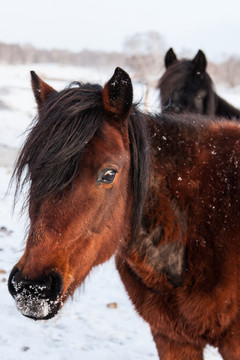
(37, 299)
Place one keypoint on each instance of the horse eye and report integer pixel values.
(108, 176)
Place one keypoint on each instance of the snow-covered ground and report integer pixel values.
(87, 327)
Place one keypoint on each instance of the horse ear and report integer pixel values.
(117, 95)
(200, 62)
(41, 89)
(170, 57)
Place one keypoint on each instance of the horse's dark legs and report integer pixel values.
(170, 350)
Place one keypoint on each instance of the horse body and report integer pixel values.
(187, 87)
(179, 289)
(160, 192)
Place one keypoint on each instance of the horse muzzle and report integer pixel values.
(37, 299)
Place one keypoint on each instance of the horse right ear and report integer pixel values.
(200, 62)
(41, 89)
(117, 95)
(170, 57)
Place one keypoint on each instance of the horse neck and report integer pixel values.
(158, 234)
(160, 245)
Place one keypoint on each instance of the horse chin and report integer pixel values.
(36, 308)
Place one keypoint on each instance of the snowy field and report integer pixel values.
(100, 322)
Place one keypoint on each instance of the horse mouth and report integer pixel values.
(36, 308)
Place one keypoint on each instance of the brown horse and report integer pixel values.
(187, 87)
(162, 193)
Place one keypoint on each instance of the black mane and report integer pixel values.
(67, 121)
(65, 124)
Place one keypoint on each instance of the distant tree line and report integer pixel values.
(16, 54)
(227, 72)
(143, 54)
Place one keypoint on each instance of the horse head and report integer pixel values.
(77, 160)
(186, 86)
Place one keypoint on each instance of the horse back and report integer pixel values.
(224, 109)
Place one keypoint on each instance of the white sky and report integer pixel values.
(212, 25)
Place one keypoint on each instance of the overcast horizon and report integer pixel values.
(104, 25)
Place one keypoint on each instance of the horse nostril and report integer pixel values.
(56, 284)
(49, 286)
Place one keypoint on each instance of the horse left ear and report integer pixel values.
(41, 89)
(117, 95)
(200, 62)
(170, 58)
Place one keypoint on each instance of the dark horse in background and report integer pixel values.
(161, 193)
(187, 87)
